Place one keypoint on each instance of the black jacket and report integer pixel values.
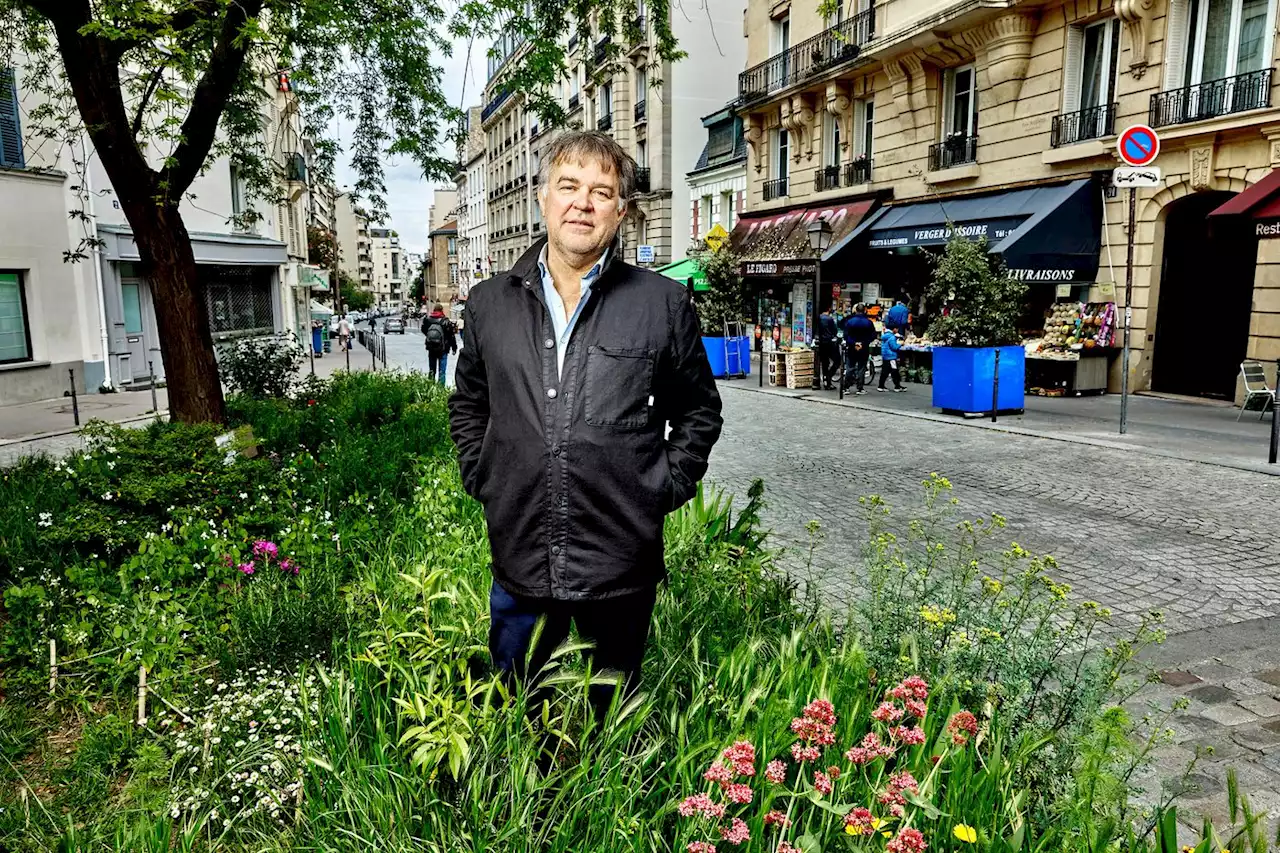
(859, 329)
(446, 325)
(573, 470)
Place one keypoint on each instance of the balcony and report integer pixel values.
(602, 49)
(826, 178)
(639, 111)
(775, 189)
(953, 151)
(492, 107)
(858, 172)
(573, 42)
(605, 122)
(835, 46)
(573, 102)
(643, 180)
(295, 167)
(1215, 98)
(1090, 123)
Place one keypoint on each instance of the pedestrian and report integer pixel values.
(899, 317)
(441, 340)
(344, 333)
(890, 351)
(828, 348)
(576, 365)
(859, 332)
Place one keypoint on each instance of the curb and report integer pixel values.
(974, 423)
(41, 436)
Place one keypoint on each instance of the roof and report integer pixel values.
(445, 230)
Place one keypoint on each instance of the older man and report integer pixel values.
(575, 363)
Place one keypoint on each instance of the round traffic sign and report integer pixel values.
(1139, 145)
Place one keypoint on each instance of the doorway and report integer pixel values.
(134, 313)
(1206, 298)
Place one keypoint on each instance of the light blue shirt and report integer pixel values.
(563, 325)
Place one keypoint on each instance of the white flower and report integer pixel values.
(244, 496)
(107, 496)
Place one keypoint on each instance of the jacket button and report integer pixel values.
(548, 343)
(551, 393)
(555, 450)
(555, 549)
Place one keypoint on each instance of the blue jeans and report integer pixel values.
(619, 628)
(438, 366)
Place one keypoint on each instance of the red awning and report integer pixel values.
(1260, 201)
(783, 236)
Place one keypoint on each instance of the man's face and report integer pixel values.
(582, 209)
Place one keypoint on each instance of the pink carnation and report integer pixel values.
(909, 840)
(822, 783)
(742, 755)
(739, 794)
(736, 832)
(777, 818)
(701, 847)
(887, 713)
(912, 736)
(776, 772)
(701, 804)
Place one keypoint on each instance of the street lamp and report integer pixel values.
(819, 232)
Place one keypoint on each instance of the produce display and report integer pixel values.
(1075, 326)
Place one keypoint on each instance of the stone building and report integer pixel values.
(443, 273)
(473, 222)
(389, 289)
(906, 117)
(355, 247)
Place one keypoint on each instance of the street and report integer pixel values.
(408, 352)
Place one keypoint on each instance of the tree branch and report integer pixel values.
(152, 85)
(210, 99)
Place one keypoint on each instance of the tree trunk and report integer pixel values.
(191, 370)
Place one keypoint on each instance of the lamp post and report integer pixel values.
(819, 232)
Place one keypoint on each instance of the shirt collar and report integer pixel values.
(587, 279)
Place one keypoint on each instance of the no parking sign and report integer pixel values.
(1138, 145)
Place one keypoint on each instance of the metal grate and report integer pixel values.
(775, 189)
(826, 178)
(1089, 123)
(954, 151)
(1214, 98)
(857, 172)
(238, 299)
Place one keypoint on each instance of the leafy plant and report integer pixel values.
(975, 302)
(725, 299)
(262, 367)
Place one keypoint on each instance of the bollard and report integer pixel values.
(53, 666)
(155, 405)
(995, 389)
(75, 401)
(1275, 424)
(142, 695)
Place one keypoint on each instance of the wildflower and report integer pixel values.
(909, 840)
(776, 772)
(916, 708)
(887, 712)
(800, 752)
(965, 833)
(912, 687)
(786, 847)
(822, 783)
(736, 832)
(702, 847)
(288, 567)
(859, 822)
(263, 548)
(247, 568)
(962, 727)
(869, 750)
(833, 771)
(701, 804)
(777, 818)
(719, 774)
(821, 711)
(742, 755)
(937, 617)
(909, 736)
(738, 794)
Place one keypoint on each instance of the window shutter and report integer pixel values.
(10, 128)
(281, 233)
(1072, 61)
(742, 200)
(696, 207)
(1175, 44)
(295, 240)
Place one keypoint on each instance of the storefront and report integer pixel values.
(780, 269)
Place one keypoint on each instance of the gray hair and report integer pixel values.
(580, 146)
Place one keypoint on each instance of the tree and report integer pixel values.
(162, 86)
(982, 303)
(725, 299)
(355, 297)
(322, 247)
(418, 287)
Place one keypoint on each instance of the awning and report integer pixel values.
(1259, 203)
(684, 270)
(778, 245)
(1044, 233)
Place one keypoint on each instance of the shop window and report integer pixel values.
(238, 299)
(15, 333)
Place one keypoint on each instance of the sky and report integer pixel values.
(409, 195)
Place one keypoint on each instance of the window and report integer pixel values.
(453, 245)
(238, 299)
(867, 133)
(642, 84)
(781, 160)
(726, 210)
(15, 336)
(705, 213)
(453, 274)
(642, 154)
(961, 116)
(1214, 39)
(10, 127)
(781, 42)
(606, 101)
(831, 139)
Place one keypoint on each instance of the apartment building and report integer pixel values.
(388, 289)
(473, 223)
(718, 181)
(444, 274)
(355, 246)
(901, 120)
(654, 113)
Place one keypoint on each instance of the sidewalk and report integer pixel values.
(1199, 431)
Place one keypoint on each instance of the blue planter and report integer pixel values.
(716, 354)
(963, 376)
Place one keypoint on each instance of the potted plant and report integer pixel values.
(976, 308)
(724, 301)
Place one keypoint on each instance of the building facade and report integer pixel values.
(473, 220)
(718, 181)
(1008, 116)
(388, 271)
(355, 246)
(444, 272)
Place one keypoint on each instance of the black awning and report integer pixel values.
(1044, 233)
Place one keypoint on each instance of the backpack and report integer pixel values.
(435, 336)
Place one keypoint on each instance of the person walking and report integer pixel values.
(344, 333)
(828, 348)
(890, 352)
(441, 340)
(859, 332)
(575, 366)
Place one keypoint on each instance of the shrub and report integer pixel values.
(977, 304)
(725, 299)
(261, 367)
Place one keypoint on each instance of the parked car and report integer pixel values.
(393, 324)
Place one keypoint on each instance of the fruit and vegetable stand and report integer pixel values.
(1072, 356)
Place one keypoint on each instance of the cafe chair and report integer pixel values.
(1255, 386)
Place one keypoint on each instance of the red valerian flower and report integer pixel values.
(909, 840)
(962, 727)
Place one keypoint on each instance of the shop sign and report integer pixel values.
(777, 269)
(716, 236)
(644, 254)
(992, 230)
(1043, 275)
(1269, 228)
(316, 278)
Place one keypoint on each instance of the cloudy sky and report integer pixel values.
(409, 195)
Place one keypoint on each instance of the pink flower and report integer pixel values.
(718, 773)
(860, 821)
(833, 771)
(904, 781)
(701, 804)
(909, 840)
(910, 736)
(962, 727)
(785, 847)
(777, 818)
(776, 772)
(738, 794)
(736, 832)
(911, 687)
(805, 753)
(742, 755)
(263, 548)
(822, 783)
(247, 568)
(887, 712)
(701, 847)
(288, 567)
(821, 711)
(916, 708)
(892, 795)
(869, 750)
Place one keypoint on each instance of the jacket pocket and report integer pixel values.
(618, 385)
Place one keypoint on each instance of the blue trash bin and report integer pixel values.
(317, 343)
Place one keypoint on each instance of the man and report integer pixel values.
(899, 317)
(859, 332)
(828, 348)
(438, 334)
(575, 363)
(344, 333)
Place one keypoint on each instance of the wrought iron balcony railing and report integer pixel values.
(858, 172)
(953, 151)
(492, 107)
(602, 49)
(1211, 99)
(605, 122)
(642, 179)
(776, 188)
(639, 111)
(834, 46)
(826, 178)
(1089, 123)
(573, 102)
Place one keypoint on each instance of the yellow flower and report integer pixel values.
(887, 834)
(850, 829)
(876, 823)
(965, 833)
